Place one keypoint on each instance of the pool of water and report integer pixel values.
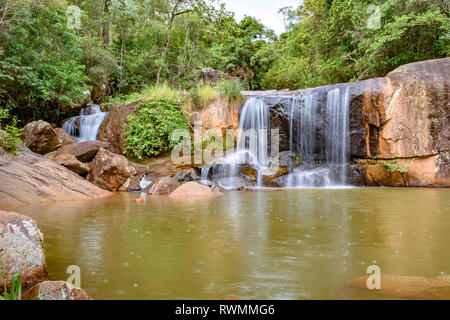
(279, 244)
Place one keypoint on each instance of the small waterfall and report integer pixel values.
(86, 126)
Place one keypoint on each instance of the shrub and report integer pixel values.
(231, 90)
(201, 95)
(393, 166)
(10, 136)
(162, 91)
(150, 127)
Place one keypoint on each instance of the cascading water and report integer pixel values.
(86, 126)
(323, 140)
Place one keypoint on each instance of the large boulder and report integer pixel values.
(40, 137)
(21, 250)
(55, 290)
(398, 287)
(164, 186)
(64, 137)
(194, 189)
(70, 162)
(84, 151)
(30, 178)
(112, 128)
(113, 172)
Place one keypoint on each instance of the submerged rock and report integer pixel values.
(40, 137)
(21, 250)
(55, 290)
(113, 172)
(194, 189)
(164, 186)
(398, 287)
(30, 178)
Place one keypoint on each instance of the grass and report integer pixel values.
(16, 286)
(231, 90)
(201, 95)
(162, 91)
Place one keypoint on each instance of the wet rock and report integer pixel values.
(398, 287)
(84, 151)
(55, 290)
(64, 137)
(249, 173)
(30, 178)
(21, 250)
(164, 186)
(70, 162)
(194, 189)
(186, 175)
(40, 137)
(112, 128)
(113, 172)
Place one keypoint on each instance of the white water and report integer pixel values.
(86, 126)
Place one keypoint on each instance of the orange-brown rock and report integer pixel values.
(113, 172)
(398, 287)
(164, 186)
(21, 250)
(64, 137)
(30, 178)
(84, 151)
(194, 189)
(55, 290)
(112, 128)
(40, 137)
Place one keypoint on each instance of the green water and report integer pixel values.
(287, 244)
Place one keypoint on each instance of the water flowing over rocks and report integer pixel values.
(40, 137)
(30, 178)
(21, 250)
(53, 290)
(85, 127)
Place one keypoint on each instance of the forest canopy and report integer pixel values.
(51, 51)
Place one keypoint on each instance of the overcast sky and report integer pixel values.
(265, 10)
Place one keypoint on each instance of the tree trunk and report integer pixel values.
(106, 23)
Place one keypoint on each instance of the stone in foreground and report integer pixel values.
(194, 189)
(55, 290)
(21, 250)
(164, 186)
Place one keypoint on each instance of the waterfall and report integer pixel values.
(323, 157)
(86, 126)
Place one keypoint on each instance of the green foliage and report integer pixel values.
(231, 90)
(16, 286)
(150, 127)
(393, 166)
(10, 135)
(201, 95)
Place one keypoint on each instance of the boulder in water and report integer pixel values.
(194, 189)
(21, 250)
(33, 179)
(113, 172)
(40, 137)
(84, 151)
(55, 290)
(164, 186)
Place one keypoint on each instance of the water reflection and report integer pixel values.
(290, 244)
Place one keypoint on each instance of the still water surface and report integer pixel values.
(283, 244)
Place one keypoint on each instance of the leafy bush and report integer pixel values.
(201, 95)
(150, 127)
(393, 166)
(10, 136)
(231, 90)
